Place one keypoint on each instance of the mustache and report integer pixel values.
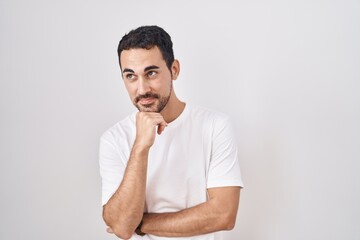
(147, 95)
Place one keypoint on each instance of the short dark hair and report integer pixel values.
(148, 37)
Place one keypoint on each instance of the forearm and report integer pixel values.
(211, 216)
(124, 211)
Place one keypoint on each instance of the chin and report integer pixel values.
(145, 108)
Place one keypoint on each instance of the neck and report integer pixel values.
(173, 109)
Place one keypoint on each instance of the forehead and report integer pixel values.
(138, 58)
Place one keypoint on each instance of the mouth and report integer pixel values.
(147, 101)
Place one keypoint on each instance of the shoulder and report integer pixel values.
(207, 115)
(209, 121)
(121, 129)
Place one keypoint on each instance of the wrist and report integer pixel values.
(141, 145)
(140, 148)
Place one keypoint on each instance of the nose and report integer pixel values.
(143, 86)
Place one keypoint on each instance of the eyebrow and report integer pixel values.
(145, 69)
(150, 68)
(128, 70)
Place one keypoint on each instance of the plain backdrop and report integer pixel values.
(287, 72)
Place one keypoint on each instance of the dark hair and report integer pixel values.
(148, 37)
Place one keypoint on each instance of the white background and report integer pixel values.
(287, 72)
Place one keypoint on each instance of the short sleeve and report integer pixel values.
(112, 166)
(224, 169)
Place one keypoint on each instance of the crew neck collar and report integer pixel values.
(180, 118)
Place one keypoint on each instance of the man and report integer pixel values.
(170, 169)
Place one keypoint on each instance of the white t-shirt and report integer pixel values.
(195, 152)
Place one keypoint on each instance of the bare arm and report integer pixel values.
(124, 211)
(218, 213)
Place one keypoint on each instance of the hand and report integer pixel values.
(146, 123)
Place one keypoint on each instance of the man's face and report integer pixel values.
(147, 78)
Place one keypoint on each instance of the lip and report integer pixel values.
(146, 101)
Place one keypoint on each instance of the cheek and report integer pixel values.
(161, 85)
(156, 85)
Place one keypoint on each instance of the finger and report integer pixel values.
(161, 127)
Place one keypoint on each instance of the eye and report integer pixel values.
(130, 76)
(151, 73)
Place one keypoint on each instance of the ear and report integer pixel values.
(175, 69)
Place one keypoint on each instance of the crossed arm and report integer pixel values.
(218, 213)
(125, 209)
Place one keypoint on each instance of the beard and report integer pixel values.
(157, 106)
